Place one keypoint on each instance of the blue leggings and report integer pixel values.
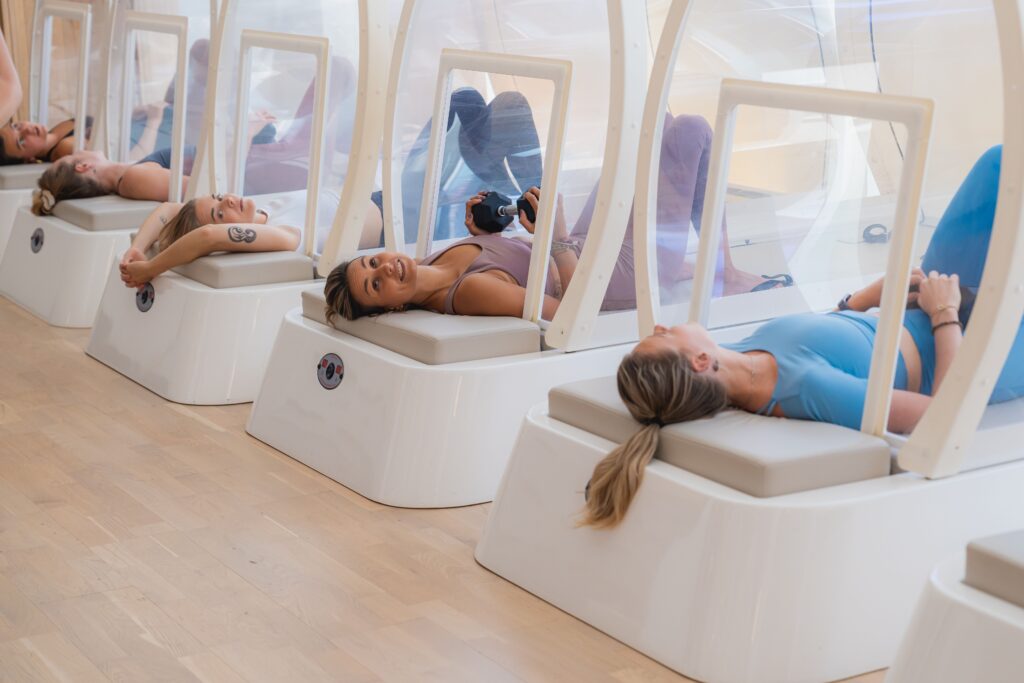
(960, 245)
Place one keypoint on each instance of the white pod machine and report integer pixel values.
(61, 273)
(417, 409)
(969, 620)
(68, 49)
(759, 549)
(201, 333)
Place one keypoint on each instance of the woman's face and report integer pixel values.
(691, 340)
(225, 208)
(85, 161)
(24, 140)
(385, 280)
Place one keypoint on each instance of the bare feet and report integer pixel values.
(736, 281)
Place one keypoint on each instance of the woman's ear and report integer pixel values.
(700, 362)
(82, 166)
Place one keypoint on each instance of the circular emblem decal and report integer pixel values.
(145, 297)
(36, 241)
(330, 371)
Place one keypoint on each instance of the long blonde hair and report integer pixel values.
(183, 222)
(658, 389)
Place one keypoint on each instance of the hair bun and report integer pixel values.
(45, 200)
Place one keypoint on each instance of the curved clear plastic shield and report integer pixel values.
(277, 62)
(576, 30)
(151, 40)
(59, 40)
(810, 198)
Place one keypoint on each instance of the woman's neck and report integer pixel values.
(110, 173)
(749, 378)
(433, 281)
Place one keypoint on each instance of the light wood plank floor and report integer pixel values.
(142, 540)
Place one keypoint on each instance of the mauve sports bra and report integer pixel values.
(509, 255)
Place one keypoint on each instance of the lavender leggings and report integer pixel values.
(685, 155)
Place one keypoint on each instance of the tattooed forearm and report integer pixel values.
(238, 234)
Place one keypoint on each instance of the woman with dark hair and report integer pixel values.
(485, 274)
(810, 366)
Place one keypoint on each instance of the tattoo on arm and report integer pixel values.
(237, 234)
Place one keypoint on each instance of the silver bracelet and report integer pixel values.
(558, 246)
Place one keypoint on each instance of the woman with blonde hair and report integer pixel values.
(811, 366)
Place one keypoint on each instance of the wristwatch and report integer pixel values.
(844, 303)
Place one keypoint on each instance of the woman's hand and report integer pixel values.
(471, 225)
(939, 293)
(871, 296)
(532, 196)
(136, 273)
(131, 255)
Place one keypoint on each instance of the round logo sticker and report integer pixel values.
(330, 371)
(36, 241)
(145, 297)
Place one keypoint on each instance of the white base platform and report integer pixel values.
(61, 283)
(10, 202)
(195, 344)
(959, 634)
(398, 431)
(724, 587)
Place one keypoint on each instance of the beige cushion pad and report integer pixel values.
(245, 269)
(996, 565)
(433, 338)
(21, 176)
(110, 212)
(762, 456)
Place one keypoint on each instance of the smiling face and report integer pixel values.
(225, 208)
(385, 280)
(24, 140)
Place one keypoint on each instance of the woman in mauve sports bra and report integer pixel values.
(485, 274)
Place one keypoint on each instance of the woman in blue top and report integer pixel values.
(809, 366)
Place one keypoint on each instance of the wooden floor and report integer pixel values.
(142, 540)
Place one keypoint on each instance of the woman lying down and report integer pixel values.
(811, 366)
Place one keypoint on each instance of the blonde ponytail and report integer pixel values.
(658, 389)
(617, 477)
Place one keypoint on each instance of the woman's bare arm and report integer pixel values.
(485, 294)
(10, 84)
(207, 240)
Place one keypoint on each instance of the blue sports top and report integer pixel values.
(823, 362)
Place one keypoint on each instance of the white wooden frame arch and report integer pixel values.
(939, 444)
(319, 48)
(173, 25)
(39, 69)
(368, 127)
(628, 38)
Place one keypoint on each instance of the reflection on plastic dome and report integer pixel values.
(811, 197)
(513, 27)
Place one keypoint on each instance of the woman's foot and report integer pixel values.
(736, 281)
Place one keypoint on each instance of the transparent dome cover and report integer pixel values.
(576, 31)
(276, 143)
(811, 197)
(147, 42)
(58, 42)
